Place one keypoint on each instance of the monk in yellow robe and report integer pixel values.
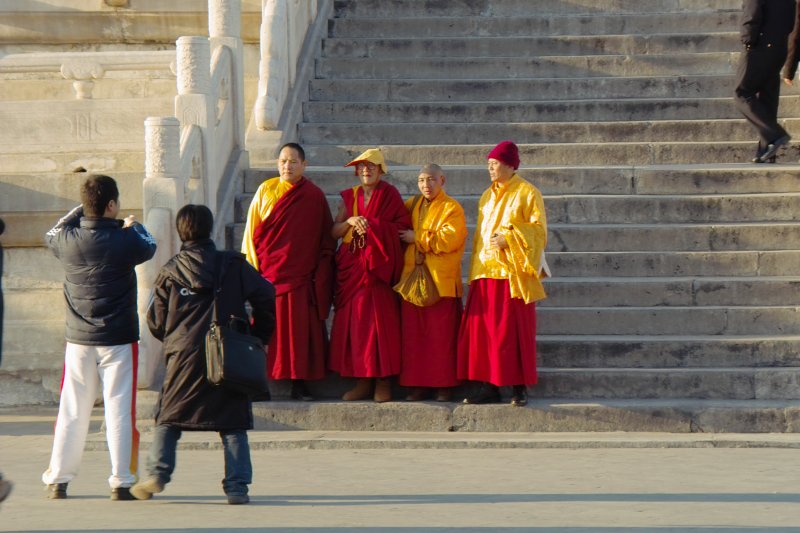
(430, 333)
(497, 340)
(288, 240)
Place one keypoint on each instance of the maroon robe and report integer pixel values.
(365, 338)
(295, 252)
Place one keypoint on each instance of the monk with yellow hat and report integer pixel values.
(365, 337)
(497, 340)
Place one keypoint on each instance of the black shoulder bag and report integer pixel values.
(234, 359)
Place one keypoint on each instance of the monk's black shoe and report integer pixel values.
(488, 393)
(57, 491)
(520, 395)
(300, 392)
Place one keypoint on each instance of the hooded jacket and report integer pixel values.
(180, 316)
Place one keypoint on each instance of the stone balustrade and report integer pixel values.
(284, 24)
(82, 68)
(198, 155)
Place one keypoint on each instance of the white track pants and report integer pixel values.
(86, 369)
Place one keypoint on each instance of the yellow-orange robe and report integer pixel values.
(288, 239)
(497, 340)
(430, 334)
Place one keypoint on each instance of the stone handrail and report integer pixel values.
(84, 67)
(284, 24)
(197, 156)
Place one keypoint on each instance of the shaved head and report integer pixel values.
(432, 169)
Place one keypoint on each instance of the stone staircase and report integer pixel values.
(674, 301)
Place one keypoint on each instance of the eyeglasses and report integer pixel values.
(368, 166)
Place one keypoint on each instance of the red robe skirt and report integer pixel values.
(430, 339)
(365, 336)
(497, 339)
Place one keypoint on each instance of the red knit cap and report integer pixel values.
(506, 152)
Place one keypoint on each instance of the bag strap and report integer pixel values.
(218, 273)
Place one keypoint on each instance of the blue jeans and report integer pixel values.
(238, 469)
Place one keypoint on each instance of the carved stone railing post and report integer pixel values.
(163, 196)
(273, 80)
(194, 104)
(224, 29)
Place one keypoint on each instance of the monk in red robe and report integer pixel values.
(497, 340)
(430, 328)
(365, 338)
(288, 239)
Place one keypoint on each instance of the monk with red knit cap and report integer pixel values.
(365, 336)
(497, 338)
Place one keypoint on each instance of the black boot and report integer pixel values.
(520, 395)
(487, 393)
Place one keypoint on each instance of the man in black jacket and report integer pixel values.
(766, 25)
(98, 254)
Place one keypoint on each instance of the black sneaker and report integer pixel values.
(520, 395)
(488, 393)
(122, 494)
(57, 491)
(238, 499)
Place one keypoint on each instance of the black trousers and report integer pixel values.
(758, 89)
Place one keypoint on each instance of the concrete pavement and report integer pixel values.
(371, 481)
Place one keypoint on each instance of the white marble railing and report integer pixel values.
(82, 68)
(198, 155)
(284, 24)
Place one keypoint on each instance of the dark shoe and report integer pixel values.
(300, 392)
(238, 499)
(57, 491)
(488, 393)
(122, 494)
(773, 147)
(444, 395)
(417, 394)
(5, 489)
(261, 397)
(144, 490)
(520, 395)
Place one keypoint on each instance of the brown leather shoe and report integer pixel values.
(417, 394)
(383, 390)
(444, 394)
(362, 391)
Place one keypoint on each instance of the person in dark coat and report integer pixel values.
(766, 25)
(180, 315)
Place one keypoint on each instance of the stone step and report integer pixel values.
(670, 292)
(540, 415)
(535, 46)
(756, 320)
(571, 179)
(533, 24)
(706, 384)
(664, 264)
(672, 237)
(559, 154)
(530, 133)
(715, 63)
(606, 110)
(514, 8)
(626, 209)
(641, 351)
(530, 89)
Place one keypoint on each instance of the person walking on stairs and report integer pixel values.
(765, 29)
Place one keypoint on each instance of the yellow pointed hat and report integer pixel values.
(373, 155)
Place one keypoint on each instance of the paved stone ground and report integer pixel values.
(585, 484)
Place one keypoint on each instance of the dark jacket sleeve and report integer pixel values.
(261, 295)
(752, 19)
(157, 310)
(54, 237)
(790, 67)
(142, 245)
